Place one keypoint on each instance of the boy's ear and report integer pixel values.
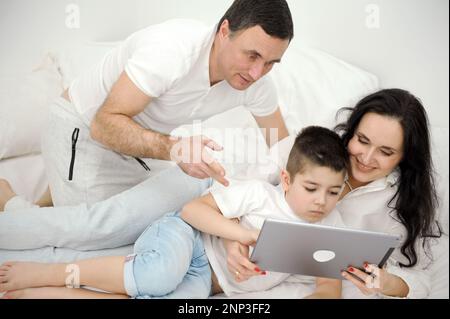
(285, 179)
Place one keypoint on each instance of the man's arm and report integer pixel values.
(114, 127)
(204, 215)
(273, 127)
(327, 288)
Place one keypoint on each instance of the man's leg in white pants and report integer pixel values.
(79, 169)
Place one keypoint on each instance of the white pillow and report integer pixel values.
(78, 58)
(239, 135)
(24, 101)
(439, 270)
(313, 85)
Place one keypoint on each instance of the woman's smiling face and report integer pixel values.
(376, 148)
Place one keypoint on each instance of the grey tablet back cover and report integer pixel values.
(294, 247)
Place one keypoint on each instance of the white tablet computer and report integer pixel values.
(317, 250)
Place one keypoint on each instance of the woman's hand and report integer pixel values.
(374, 280)
(238, 261)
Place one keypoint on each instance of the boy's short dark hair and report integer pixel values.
(319, 146)
(274, 16)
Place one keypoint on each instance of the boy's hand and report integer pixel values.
(249, 237)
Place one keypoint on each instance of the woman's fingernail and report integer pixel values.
(257, 269)
(366, 265)
(351, 269)
(263, 273)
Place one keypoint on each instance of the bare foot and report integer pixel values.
(6, 193)
(46, 199)
(20, 275)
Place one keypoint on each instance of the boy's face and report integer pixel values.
(313, 194)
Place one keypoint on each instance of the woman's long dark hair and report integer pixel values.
(416, 200)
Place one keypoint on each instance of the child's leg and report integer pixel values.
(60, 293)
(163, 256)
(105, 273)
(197, 282)
(164, 253)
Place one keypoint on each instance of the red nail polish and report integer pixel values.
(263, 273)
(257, 269)
(366, 265)
(351, 269)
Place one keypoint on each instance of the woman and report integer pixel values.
(390, 189)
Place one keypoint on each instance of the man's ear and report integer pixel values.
(224, 30)
(285, 179)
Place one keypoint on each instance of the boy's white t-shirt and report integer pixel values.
(170, 63)
(252, 202)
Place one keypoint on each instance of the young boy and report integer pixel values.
(174, 260)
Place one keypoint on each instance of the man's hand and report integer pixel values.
(238, 261)
(192, 156)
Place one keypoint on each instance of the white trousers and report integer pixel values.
(81, 170)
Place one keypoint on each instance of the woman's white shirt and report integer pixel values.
(371, 208)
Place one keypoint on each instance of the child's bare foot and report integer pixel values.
(6, 193)
(20, 275)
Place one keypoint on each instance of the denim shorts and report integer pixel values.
(169, 261)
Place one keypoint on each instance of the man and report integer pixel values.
(111, 129)
(158, 79)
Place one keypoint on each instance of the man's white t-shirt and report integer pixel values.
(252, 202)
(170, 63)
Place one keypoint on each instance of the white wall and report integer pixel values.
(409, 50)
(209, 11)
(28, 28)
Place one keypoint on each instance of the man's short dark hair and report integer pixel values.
(318, 146)
(274, 16)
